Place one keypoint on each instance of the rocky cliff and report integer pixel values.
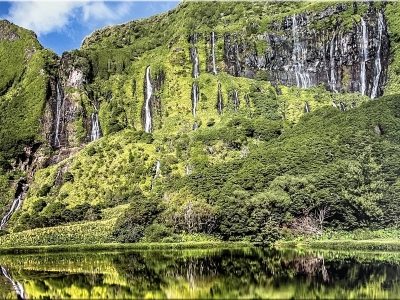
(149, 103)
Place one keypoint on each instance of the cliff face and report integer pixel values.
(297, 53)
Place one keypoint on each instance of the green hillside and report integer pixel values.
(262, 169)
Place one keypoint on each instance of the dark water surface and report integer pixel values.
(219, 273)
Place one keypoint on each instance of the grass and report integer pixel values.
(118, 246)
(376, 244)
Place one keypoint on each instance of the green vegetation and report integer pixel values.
(206, 273)
(259, 174)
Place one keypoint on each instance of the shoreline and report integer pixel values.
(370, 245)
(119, 246)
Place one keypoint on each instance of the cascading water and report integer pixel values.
(306, 107)
(15, 206)
(342, 106)
(195, 98)
(332, 61)
(334, 105)
(149, 92)
(299, 56)
(378, 66)
(235, 100)
(213, 52)
(364, 56)
(248, 104)
(96, 131)
(58, 116)
(188, 170)
(18, 287)
(195, 126)
(220, 104)
(195, 57)
(158, 166)
(237, 63)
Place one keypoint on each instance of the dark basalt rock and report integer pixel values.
(300, 55)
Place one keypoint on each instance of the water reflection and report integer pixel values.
(18, 288)
(233, 273)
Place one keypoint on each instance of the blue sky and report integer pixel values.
(62, 25)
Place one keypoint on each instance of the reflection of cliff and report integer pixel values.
(250, 273)
(18, 287)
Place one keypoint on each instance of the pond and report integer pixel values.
(216, 273)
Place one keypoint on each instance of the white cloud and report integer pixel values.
(45, 17)
(41, 16)
(100, 11)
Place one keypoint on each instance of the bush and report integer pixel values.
(157, 232)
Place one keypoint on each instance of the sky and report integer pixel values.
(62, 25)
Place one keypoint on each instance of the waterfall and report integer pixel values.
(15, 206)
(247, 99)
(299, 57)
(220, 104)
(195, 60)
(237, 63)
(306, 107)
(342, 106)
(378, 66)
(95, 135)
(195, 98)
(96, 131)
(19, 289)
(149, 92)
(248, 104)
(213, 52)
(158, 166)
(195, 126)
(332, 61)
(58, 115)
(364, 56)
(235, 100)
(334, 105)
(188, 170)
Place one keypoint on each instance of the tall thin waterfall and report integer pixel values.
(195, 98)
(220, 104)
(58, 115)
(332, 61)
(299, 57)
(378, 66)
(195, 60)
(246, 97)
(15, 206)
(96, 131)
(213, 52)
(306, 107)
(149, 92)
(235, 100)
(18, 287)
(364, 56)
(158, 167)
(237, 62)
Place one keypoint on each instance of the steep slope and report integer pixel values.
(218, 118)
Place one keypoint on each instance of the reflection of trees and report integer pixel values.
(311, 266)
(138, 273)
(233, 273)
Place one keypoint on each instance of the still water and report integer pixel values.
(219, 273)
